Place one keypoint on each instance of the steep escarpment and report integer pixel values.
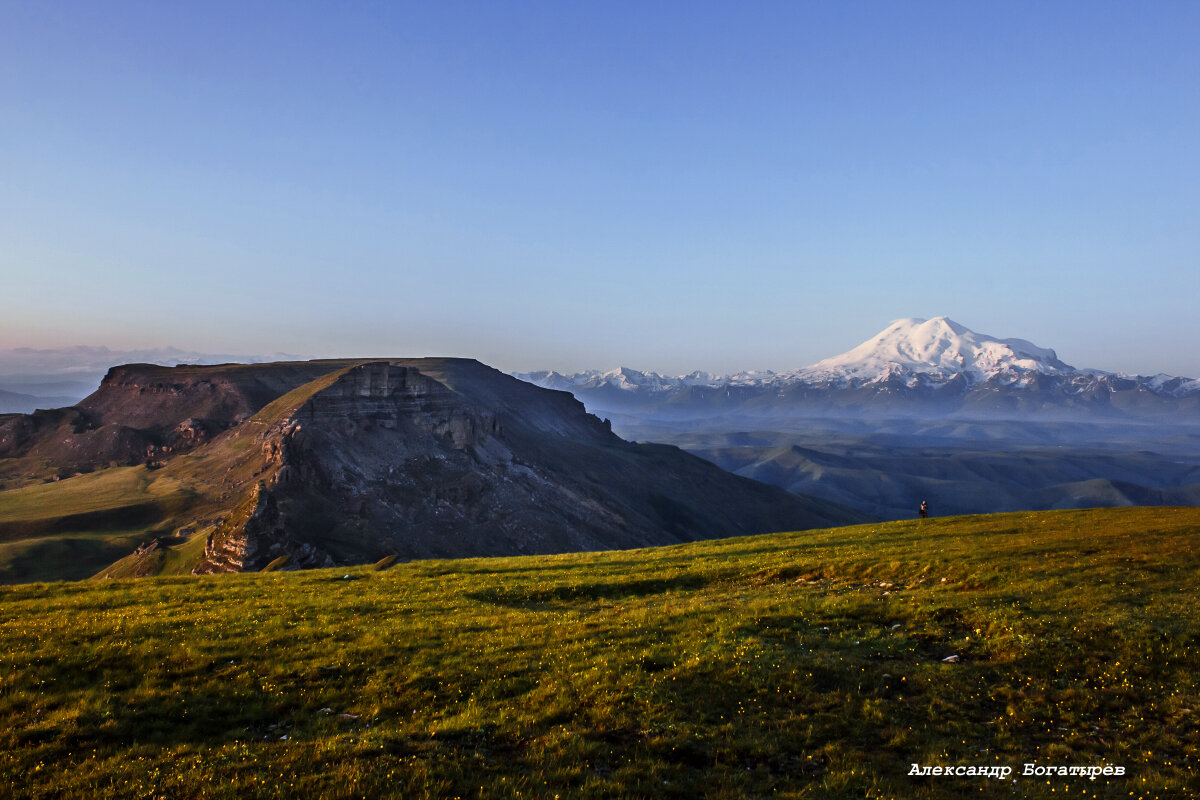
(448, 457)
(231, 468)
(144, 413)
(150, 397)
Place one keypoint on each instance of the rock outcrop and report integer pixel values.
(450, 458)
(144, 412)
(343, 462)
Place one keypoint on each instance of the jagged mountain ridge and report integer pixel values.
(914, 366)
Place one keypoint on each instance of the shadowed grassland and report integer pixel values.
(804, 665)
(74, 527)
(97, 491)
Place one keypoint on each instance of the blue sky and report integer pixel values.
(667, 186)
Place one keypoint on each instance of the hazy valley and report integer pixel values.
(928, 409)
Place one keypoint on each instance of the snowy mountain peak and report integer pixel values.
(917, 366)
(940, 348)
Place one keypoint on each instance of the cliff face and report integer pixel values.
(145, 413)
(391, 460)
(340, 462)
(148, 397)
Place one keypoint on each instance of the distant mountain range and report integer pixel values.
(914, 367)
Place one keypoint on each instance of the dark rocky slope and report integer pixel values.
(230, 467)
(448, 457)
(144, 412)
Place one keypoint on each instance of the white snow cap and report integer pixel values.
(939, 347)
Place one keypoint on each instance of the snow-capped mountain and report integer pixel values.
(939, 348)
(913, 366)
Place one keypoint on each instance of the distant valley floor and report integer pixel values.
(886, 467)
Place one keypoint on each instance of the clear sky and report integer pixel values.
(570, 185)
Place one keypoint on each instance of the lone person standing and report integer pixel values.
(924, 512)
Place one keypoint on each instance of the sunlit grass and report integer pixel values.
(80, 526)
(795, 665)
(96, 491)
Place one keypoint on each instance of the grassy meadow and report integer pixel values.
(802, 665)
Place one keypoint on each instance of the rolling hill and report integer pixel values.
(887, 468)
(819, 664)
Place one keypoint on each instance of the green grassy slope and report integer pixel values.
(791, 665)
(69, 529)
(75, 528)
